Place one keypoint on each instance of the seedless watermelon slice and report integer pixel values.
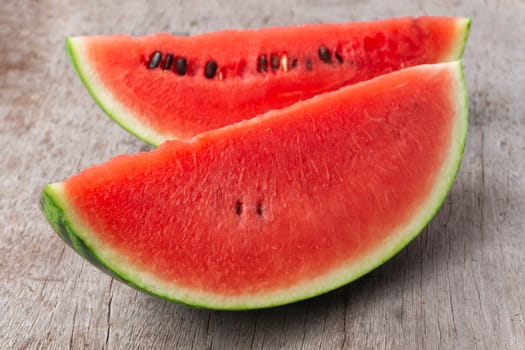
(278, 208)
(162, 87)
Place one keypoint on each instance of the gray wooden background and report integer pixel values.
(459, 285)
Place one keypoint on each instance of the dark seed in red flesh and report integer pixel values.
(168, 62)
(275, 62)
(259, 209)
(155, 59)
(210, 69)
(325, 54)
(238, 208)
(262, 64)
(339, 57)
(181, 66)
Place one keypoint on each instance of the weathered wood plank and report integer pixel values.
(459, 285)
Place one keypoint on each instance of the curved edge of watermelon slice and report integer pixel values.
(128, 120)
(56, 208)
(459, 48)
(118, 112)
(52, 204)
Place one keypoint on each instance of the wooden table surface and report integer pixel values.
(459, 285)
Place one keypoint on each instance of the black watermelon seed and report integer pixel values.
(238, 208)
(293, 64)
(339, 57)
(211, 69)
(325, 54)
(274, 61)
(262, 64)
(259, 208)
(181, 66)
(155, 59)
(309, 64)
(168, 62)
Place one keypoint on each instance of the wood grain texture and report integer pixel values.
(459, 285)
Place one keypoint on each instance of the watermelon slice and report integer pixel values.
(278, 208)
(162, 86)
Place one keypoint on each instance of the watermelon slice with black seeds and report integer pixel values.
(163, 86)
(278, 208)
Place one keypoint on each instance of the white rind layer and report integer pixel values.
(109, 103)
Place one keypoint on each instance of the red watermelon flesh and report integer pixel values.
(278, 208)
(159, 103)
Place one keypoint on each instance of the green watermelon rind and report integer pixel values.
(103, 98)
(126, 118)
(55, 207)
(52, 206)
(461, 43)
(468, 23)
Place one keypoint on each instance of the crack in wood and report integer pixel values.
(344, 319)
(108, 320)
(71, 337)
